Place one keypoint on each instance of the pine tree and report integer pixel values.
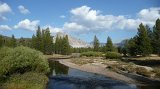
(156, 37)
(43, 41)
(143, 41)
(47, 41)
(57, 45)
(68, 45)
(109, 45)
(1, 40)
(149, 32)
(131, 46)
(39, 40)
(33, 42)
(13, 41)
(62, 45)
(96, 43)
(65, 46)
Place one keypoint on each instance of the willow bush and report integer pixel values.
(113, 55)
(20, 60)
(92, 54)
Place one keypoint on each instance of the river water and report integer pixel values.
(63, 77)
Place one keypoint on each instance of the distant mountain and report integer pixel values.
(74, 42)
(121, 44)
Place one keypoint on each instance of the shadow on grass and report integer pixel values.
(148, 62)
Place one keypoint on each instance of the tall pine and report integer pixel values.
(39, 40)
(1, 40)
(143, 41)
(96, 43)
(65, 46)
(156, 37)
(109, 45)
(33, 42)
(47, 41)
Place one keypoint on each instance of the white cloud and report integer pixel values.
(62, 16)
(4, 9)
(27, 24)
(23, 10)
(4, 27)
(73, 27)
(86, 19)
(85, 12)
(52, 29)
(93, 20)
(148, 16)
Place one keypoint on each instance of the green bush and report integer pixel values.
(113, 55)
(22, 59)
(92, 54)
(28, 80)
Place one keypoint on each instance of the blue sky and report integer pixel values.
(80, 18)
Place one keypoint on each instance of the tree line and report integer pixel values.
(13, 42)
(108, 47)
(62, 45)
(97, 47)
(42, 41)
(146, 42)
(7, 41)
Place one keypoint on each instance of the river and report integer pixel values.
(64, 77)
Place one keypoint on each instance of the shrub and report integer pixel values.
(92, 54)
(113, 55)
(29, 80)
(4, 52)
(22, 59)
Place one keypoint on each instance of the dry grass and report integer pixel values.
(129, 67)
(57, 56)
(29, 80)
(118, 65)
(157, 71)
(82, 61)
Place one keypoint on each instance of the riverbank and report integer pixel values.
(97, 68)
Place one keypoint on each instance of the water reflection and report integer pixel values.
(58, 69)
(63, 77)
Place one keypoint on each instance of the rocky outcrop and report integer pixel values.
(74, 42)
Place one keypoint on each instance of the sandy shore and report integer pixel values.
(99, 69)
